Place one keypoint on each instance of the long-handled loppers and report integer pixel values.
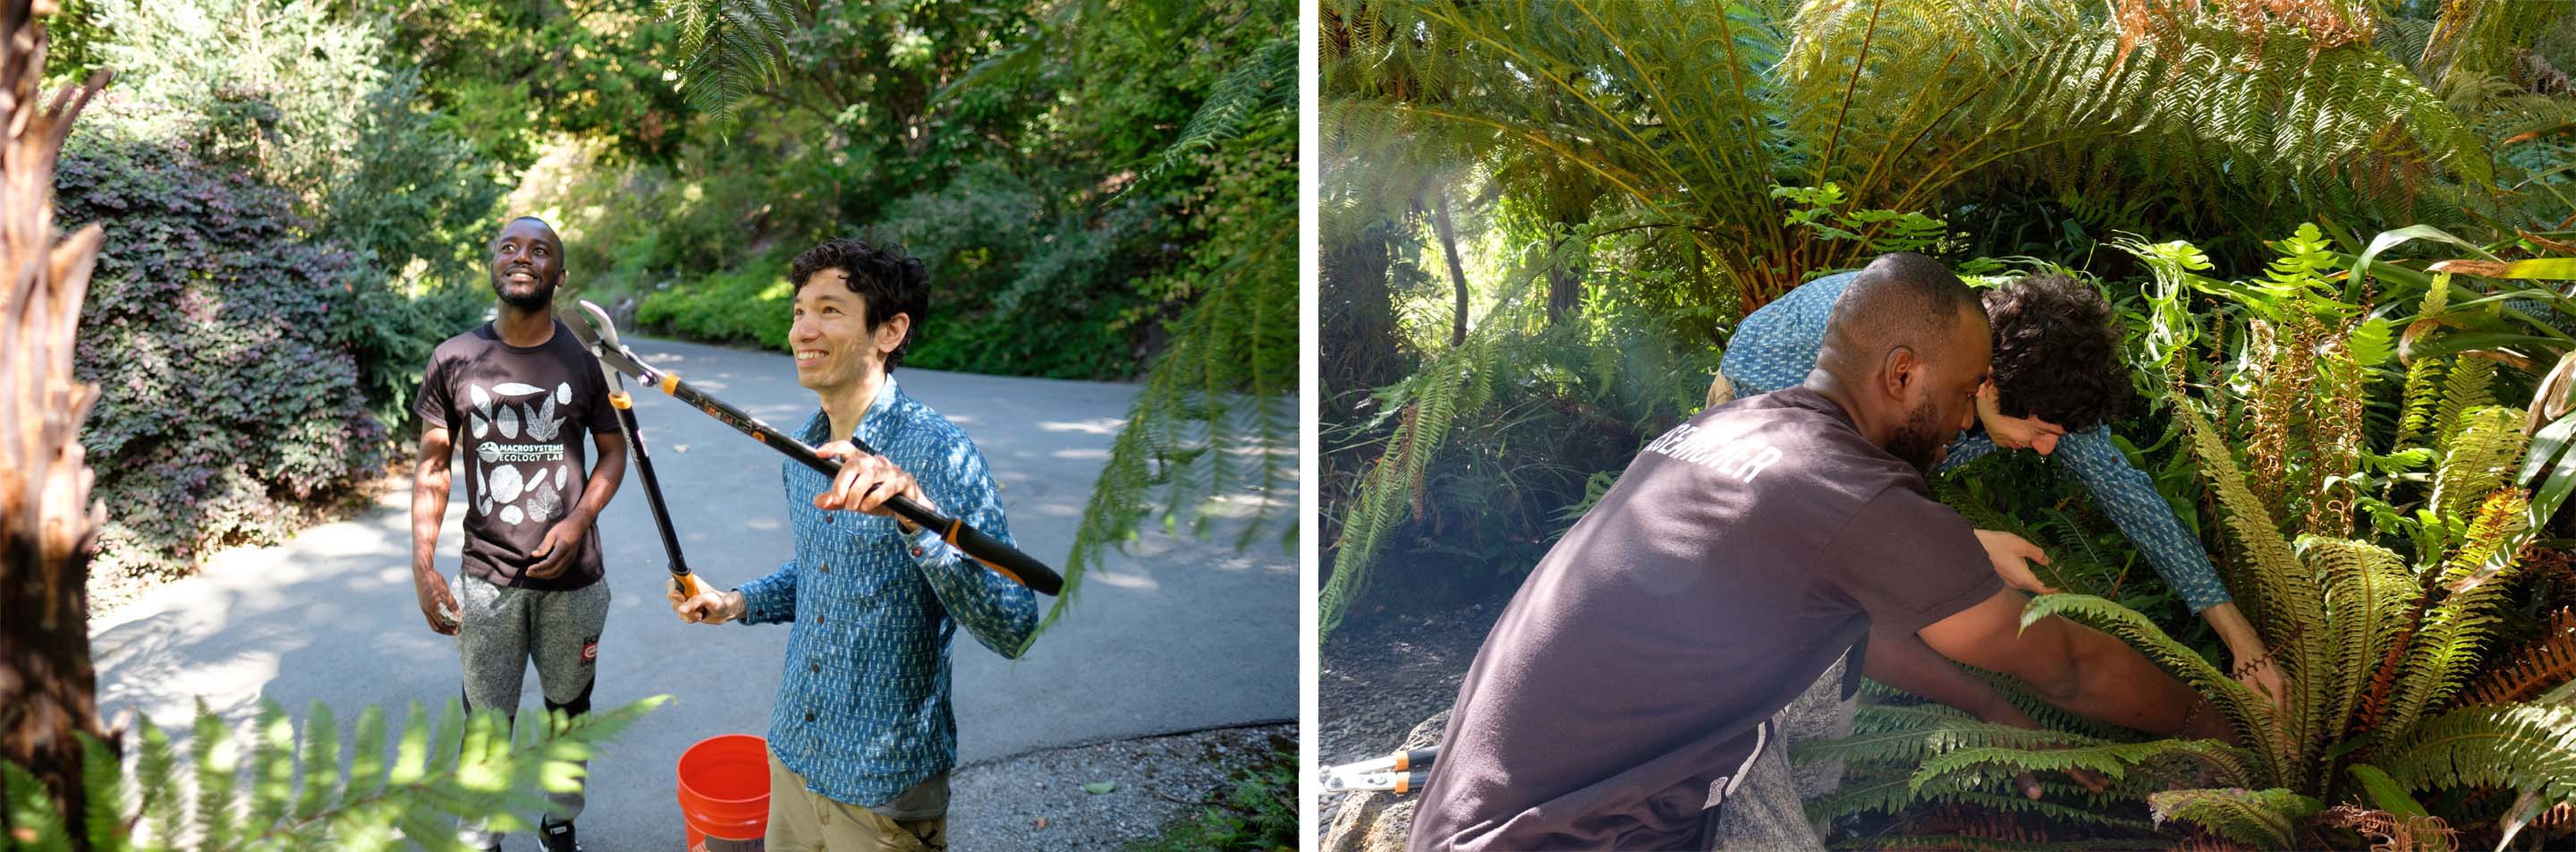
(601, 336)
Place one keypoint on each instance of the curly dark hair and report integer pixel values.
(2056, 352)
(888, 280)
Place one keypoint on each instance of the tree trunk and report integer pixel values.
(48, 526)
(1457, 272)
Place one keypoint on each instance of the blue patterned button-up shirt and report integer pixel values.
(863, 712)
(1776, 347)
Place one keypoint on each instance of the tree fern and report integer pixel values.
(1459, 381)
(299, 799)
(735, 49)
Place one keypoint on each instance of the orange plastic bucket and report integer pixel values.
(724, 793)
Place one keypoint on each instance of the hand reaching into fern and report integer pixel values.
(2254, 666)
(2012, 556)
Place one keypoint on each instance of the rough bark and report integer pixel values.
(48, 526)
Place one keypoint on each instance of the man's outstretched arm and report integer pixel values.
(2077, 668)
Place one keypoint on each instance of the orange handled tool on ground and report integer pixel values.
(600, 335)
(1399, 773)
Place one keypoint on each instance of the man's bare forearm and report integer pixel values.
(604, 476)
(1904, 662)
(2115, 683)
(430, 480)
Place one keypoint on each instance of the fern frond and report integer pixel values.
(2422, 397)
(2483, 448)
(2446, 649)
(2548, 662)
(1458, 382)
(2369, 596)
(733, 50)
(2264, 818)
(2111, 760)
(35, 824)
(2252, 714)
(2519, 746)
(1265, 83)
(2286, 593)
(2466, 387)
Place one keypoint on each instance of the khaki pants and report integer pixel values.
(801, 820)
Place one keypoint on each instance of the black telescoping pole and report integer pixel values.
(682, 580)
(1004, 559)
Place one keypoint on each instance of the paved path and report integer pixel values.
(1179, 635)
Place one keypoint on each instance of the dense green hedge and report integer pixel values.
(212, 331)
(749, 305)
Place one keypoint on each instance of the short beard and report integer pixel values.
(1918, 442)
(542, 299)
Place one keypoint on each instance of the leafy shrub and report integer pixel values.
(750, 305)
(212, 331)
(1258, 814)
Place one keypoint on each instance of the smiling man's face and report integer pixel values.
(527, 263)
(833, 345)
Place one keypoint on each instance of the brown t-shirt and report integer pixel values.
(1739, 555)
(519, 415)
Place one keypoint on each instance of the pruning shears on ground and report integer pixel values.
(592, 327)
(1400, 773)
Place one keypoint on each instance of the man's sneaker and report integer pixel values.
(557, 836)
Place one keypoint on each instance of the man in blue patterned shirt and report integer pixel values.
(2057, 384)
(862, 737)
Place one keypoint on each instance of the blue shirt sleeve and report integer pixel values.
(2129, 496)
(770, 599)
(1001, 614)
(1968, 447)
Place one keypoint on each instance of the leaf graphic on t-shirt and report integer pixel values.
(544, 424)
(517, 389)
(482, 401)
(508, 421)
(510, 514)
(563, 473)
(480, 425)
(482, 486)
(563, 392)
(487, 451)
(506, 484)
(543, 501)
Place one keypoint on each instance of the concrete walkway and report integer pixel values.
(1179, 635)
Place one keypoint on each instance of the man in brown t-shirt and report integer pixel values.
(518, 394)
(1628, 689)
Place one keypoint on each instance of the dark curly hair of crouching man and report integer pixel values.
(889, 280)
(2056, 352)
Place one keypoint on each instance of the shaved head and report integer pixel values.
(1905, 350)
(1900, 299)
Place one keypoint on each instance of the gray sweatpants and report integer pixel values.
(1768, 810)
(503, 630)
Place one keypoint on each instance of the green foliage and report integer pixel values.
(2264, 818)
(216, 334)
(1258, 813)
(304, 97)
(477, 766)
(2377, 637)
(754, 305)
